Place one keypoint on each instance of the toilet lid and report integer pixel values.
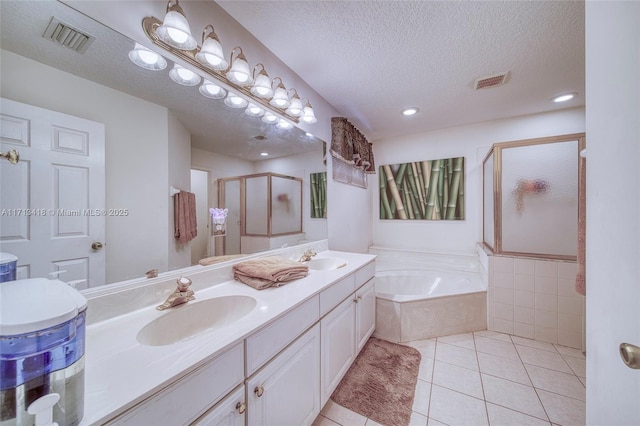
(36, 304)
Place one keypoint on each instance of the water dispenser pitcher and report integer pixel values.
(42, 344)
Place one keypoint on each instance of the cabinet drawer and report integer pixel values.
(264, 344)
(183, 401)
(335, 294)
(365, 273)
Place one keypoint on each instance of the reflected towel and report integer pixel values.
(217, 259)
(269, 271)
(184, 216)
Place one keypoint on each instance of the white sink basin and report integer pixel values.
(192, 318)
(326, 263)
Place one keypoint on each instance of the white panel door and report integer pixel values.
(52, 202)
(286, 391)
(338, 331)
(613, 234)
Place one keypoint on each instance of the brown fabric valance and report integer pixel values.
(350, 146)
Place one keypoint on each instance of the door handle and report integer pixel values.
(96, 245)
(630, 355)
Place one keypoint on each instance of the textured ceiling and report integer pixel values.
(371, 59)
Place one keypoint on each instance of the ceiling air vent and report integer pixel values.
(64, 34)
(491, 81)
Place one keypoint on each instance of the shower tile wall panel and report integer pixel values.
(535, 299)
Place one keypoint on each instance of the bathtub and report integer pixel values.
(415, 304)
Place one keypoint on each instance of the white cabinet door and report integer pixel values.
(338, 345)
(365, 313)
(286, 391)
(228, 412)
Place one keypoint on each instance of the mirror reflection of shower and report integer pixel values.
(264, 212)
(13, 156)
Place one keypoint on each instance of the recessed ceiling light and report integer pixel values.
(564, 97)
(410, 111)
(264, 154)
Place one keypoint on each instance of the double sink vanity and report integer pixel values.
(234, 355)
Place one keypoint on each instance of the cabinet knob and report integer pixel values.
(355, 300)
(241, 407)
(259, 390)
(359, 297)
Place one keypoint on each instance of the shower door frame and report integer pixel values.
(496, 150)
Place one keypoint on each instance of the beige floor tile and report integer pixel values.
(458, 379)
(543, 358)
(427, 348)
(512, 395)
(565, 350)
(493, 335)
(578, 365)
(456, 355)
(583, 380)
(505, 368)
(434, 422)
(372, 423)
(533, 343)
(496, 347)
(556, 382)
(422, 397)
(463, 340)
(426, 369)
(342, 415)
(417, 419)
(323, 421)
(455, 408)
(501, 416)
(563, 410)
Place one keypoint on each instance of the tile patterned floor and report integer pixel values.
(489, 378)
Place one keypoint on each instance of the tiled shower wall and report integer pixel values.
(535, 299)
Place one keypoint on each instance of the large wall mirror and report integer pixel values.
(156, 133)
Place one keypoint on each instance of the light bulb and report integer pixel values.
(234, 101)
(284, 124)
(175, 29)
(212, 90)
(147, 59)
(184, 76)
(254, 110)
(269, 118)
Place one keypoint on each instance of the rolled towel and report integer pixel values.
(268, 271)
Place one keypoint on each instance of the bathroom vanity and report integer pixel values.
(276, 363)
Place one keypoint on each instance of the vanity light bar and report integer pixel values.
(150, 26)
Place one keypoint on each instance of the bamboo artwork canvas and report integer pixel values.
(423, 190)
(318, 195)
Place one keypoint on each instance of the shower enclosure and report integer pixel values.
(530, 197)
(265, 211)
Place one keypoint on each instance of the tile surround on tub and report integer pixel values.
(536, 299)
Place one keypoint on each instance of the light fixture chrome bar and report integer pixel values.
(150, 24)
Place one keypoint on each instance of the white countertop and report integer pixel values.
(120, 372)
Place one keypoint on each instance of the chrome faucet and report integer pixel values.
(307, 255)
(180, 295)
